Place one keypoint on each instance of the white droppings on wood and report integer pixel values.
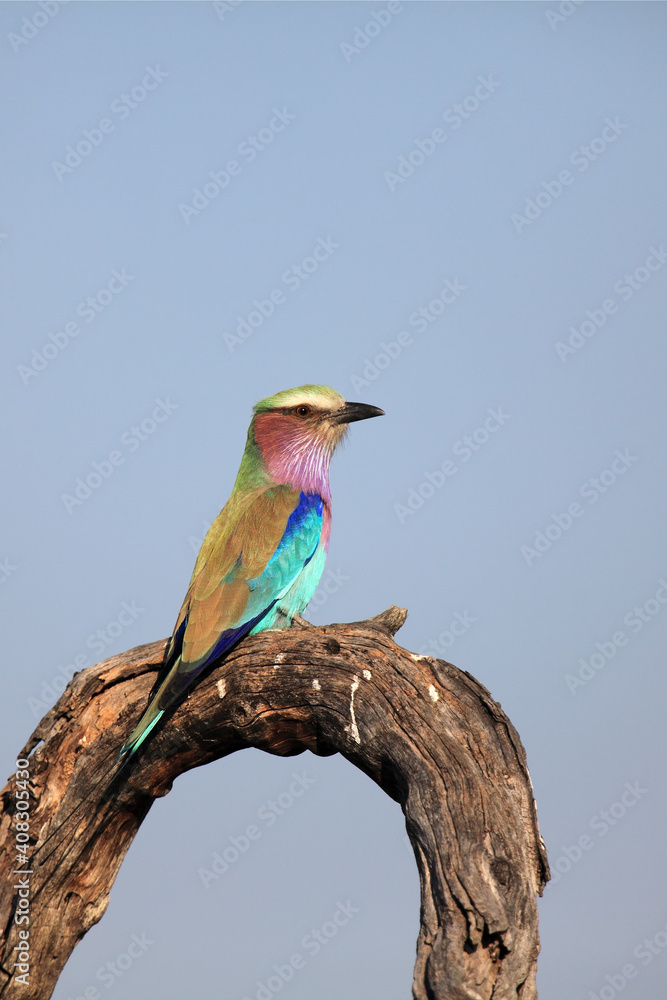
(278, 660)
(367, 675)
(433, 694)
(222, 688)
(417, 658)
(353, 728)
(316, 684)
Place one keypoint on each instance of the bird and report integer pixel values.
(262, 558)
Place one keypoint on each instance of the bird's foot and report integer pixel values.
(301, 622)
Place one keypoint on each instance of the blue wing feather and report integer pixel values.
(296, 548)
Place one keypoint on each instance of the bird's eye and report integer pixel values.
(302, 411)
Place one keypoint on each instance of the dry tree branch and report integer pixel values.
(429, 734)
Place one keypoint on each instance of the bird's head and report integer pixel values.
(297, 431)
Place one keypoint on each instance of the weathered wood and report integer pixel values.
(429, 734)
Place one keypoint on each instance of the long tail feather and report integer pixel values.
(148, 722)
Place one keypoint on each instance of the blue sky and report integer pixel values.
(457, 214)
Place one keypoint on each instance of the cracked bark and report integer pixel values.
(428, 733)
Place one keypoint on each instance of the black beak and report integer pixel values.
(356, 411)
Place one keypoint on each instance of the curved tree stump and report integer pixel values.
(429, 734)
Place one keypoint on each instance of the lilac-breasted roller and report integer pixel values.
(264, 554)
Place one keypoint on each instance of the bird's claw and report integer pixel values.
(301, 622)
